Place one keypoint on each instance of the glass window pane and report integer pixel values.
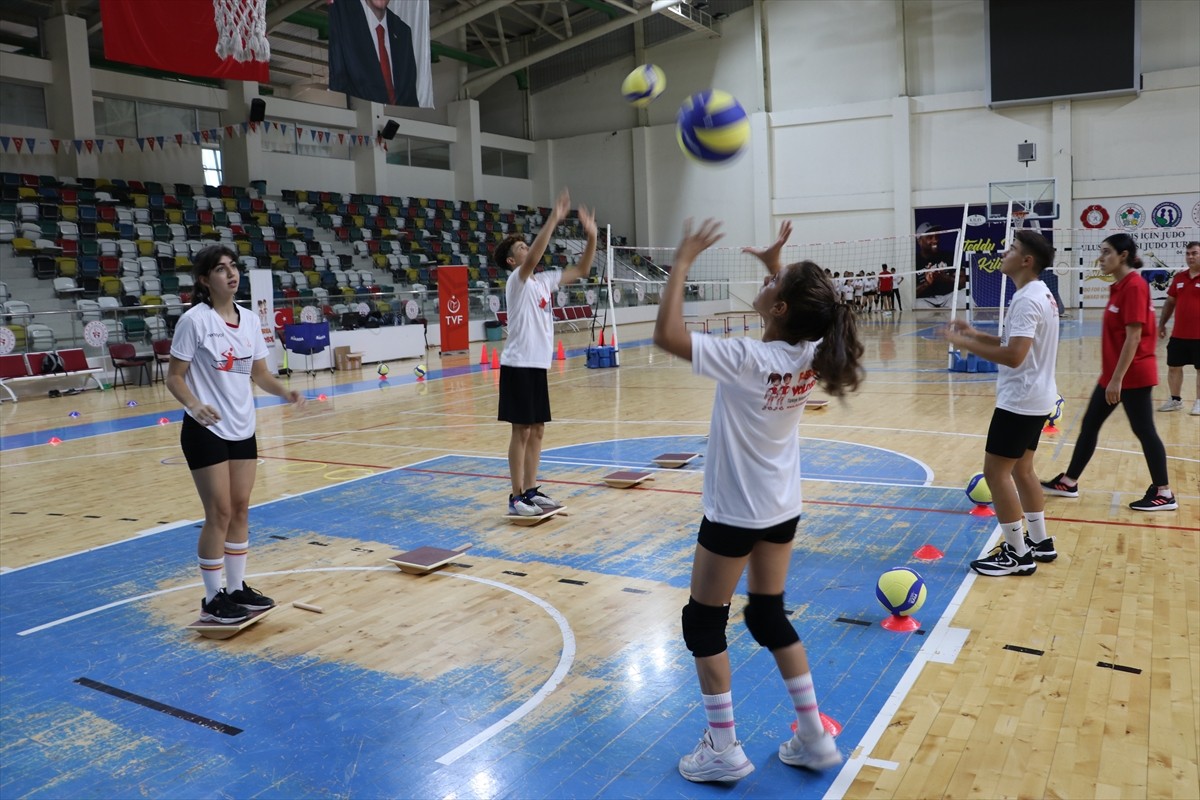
(516, 165)
(154, 119)
(115, 116)
(493, 161)
(22, 105)
(431, 155)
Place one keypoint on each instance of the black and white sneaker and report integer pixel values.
(1003, 560)
(1153, 501)
(517, 506)
(221, 609)
(1042, 551)
(535, 497)
(1056, 487)
(251, 599)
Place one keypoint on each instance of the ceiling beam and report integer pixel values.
(284, 10)
(463, 17)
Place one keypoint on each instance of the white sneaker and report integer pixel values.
(518, 507)
(705, 764)
(1171, 405)
(1195, 412)
(819, 753)
(535, 497)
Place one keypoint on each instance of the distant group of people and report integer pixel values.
(867, 292)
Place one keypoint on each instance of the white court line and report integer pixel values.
(930, 651)
(565, 660)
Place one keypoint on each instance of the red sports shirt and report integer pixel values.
(1128, 303)
(1186, 290)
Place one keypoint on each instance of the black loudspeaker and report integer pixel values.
(258, 109)
(389, 130)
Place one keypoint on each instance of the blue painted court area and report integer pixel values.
(316, 725)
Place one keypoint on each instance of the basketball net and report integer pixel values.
(242, 30)
(1019, 218)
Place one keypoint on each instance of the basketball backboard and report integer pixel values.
(1037, 198)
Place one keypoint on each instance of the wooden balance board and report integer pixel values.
(626, 479)
(426, 559)
(525, 522)
(219, 630)
(674, 460)
(816, 405)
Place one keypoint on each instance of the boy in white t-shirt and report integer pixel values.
(525, 360)
(1025, 395)
(751, 492)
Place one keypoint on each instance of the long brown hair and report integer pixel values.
(814, 314)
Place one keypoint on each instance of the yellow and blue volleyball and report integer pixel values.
(642, 86)
(978, 491)
(419, 371)
(1056, 413)
(901, 591)
(712, 126)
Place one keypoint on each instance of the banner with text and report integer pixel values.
(453, 308)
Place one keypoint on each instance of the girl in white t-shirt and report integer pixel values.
(752, 485)
(216, 352)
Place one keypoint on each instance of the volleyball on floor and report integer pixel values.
(642, 86)
(1056, 414)
(712, 127)
(419, 371)
(901, 590)
(978, 491)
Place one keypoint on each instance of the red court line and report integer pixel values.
(814, 502)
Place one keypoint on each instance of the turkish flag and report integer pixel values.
(176, 36)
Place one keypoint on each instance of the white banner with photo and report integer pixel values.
(262, 302)
(1162, 225)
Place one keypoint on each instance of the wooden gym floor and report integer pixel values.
(546, 661)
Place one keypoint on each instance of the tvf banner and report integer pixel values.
(452, 308)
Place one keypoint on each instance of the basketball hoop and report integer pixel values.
(1019, 218)
(242, 30)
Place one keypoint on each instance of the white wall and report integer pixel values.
(598, 170)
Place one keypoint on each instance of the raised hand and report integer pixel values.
(693, 244)
(562, 206)
(588, 220)
(770, 255)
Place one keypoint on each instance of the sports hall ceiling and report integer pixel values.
(539, 42)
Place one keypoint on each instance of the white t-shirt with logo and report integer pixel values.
(1030, 389)
(752, 467)
(221, 357)
(530, 319)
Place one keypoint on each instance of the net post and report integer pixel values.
(958, 253)
(612, 311)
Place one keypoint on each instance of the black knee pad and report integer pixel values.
(704, 628)
(768, 622)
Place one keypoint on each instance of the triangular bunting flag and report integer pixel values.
(88, 144)
(196, 136)
(179, 139)
(121, 145)
(341, 138)
(229, 131)
(160, 141)
(204, 135)
(283, 128)
(17, 141)
(251, 126)
(55, 143)
(78, 145)
(299, 131)
(141, 143)
(4, 140)
(100, 145)
(150, 141)
(29, 143)
(213, 134)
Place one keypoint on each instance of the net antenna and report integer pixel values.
(958, 258)
(242, 30)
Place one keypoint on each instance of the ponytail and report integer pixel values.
(837, 360)
(1124, 243)
(813, 314)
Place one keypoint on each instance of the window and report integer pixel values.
(427, 153)
(275, 140)
(210, 157)
(115, 116)
(22, 105)
(504, 163)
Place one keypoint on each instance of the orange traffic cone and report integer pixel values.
(602, 337)
(496, 358)
(561, 355)
(483, 359)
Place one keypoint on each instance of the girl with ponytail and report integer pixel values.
(752, 485)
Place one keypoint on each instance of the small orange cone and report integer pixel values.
(561, 355)
(602, 337)
(496, 358)
(483, 359)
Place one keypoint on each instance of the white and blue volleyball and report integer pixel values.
(712, 126)
(642, 86)
(901, 591)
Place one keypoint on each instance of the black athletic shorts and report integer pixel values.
(1183, 352)
(734, 542)
(203, 448)
(524, 396)
(1010, 435)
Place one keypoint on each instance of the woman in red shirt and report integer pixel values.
(1128, 375)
